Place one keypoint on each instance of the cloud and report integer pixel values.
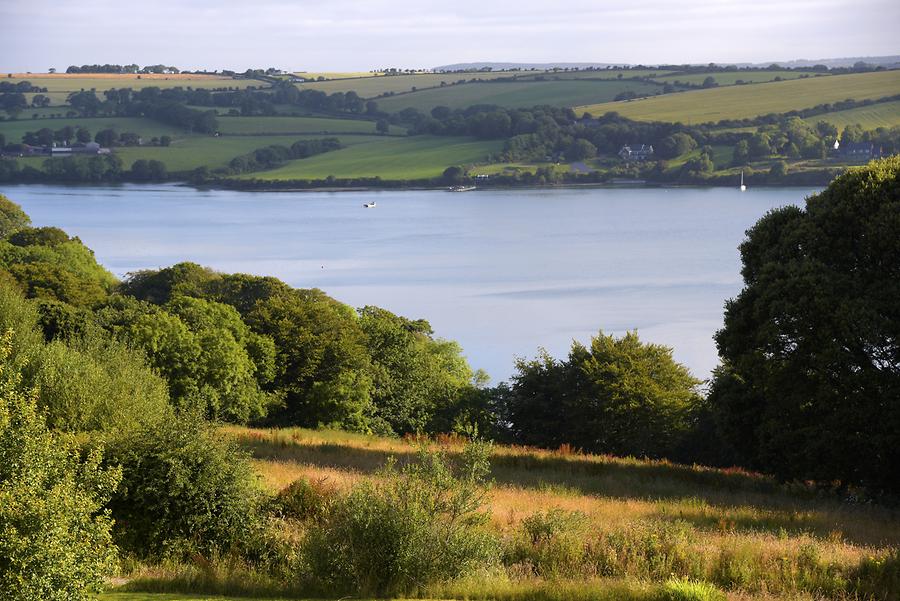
(360, 35)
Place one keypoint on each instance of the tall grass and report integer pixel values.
(573, 526)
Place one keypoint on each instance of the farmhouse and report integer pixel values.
(858, 151)
(636, 153)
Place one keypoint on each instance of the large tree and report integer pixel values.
(810, 381)
(618, 395)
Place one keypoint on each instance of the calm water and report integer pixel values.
(502, 272)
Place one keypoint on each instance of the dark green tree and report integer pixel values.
(810, 380)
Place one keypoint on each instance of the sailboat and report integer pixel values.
(743, 187)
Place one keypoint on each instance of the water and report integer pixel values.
(502, 272)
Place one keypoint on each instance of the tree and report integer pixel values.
(676, 145)
(760, 146)
(741, 155)
(56, 543)
(779, 170)
(12, 217)
(106, 138)
(810, 349)
(617, 396)
(709, 82)
(580, 150)
(454, 174)
(382, 126)
(82, 136)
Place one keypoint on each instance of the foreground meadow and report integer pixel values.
(578, 526)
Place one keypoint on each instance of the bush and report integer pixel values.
(95, 383)
(305, 499)
(552, 544)
(55, 542)
(413, 526)
(185, 489)
(685, 590)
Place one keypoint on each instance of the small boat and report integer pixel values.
(461, 188)
(369, 205)
(743, 187)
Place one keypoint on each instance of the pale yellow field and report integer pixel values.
(739, 102)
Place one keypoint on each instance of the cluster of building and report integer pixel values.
(26, 150)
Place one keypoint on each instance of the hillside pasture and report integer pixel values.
(372, 87)
(881, 114)
(729, 78)
(14, 130)
(191, 152)
(337, 74)
(738, 102)
(518, 94)
(390, 158)
(293, 125)
(76, 82)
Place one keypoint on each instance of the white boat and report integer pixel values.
(369, 205)
(743, 187)
(461, 188)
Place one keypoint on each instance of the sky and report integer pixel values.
(361, 35)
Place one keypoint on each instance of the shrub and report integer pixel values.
(95, 383)
(305, 499)
(552, 543)
(55, 542)
(685, 590)
(185, 489)
(413, 526)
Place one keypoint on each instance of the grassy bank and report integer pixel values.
(616, 528)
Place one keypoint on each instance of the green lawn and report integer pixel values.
(738, 102)
(416, 157)
(305, 125)
(14, 130)
(882, 114)
(517, 94)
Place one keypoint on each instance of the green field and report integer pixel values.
(294, 125)
(417, 157)
(14, 130)
(731, 77)
(738, 102)
(100, 81)
(516, 94)
(370, 87)
(196, 151)
(882, 114)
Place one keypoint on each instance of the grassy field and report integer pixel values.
(191, 152)
(390, 158)
(729, 78)
(882, 114)
(293, 125)
(516, 94)
(664, 523)
(64, 82)
(737, 102)
(370, 87)
(14, 130)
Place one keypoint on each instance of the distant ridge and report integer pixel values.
(885, 61)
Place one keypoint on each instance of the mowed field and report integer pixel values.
(63, 82)
(287, 125)
(516, 94)
(882, 114)
(370, 87)
(738, 102)
(390, 158)
(731, 77)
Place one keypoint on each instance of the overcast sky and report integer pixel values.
(359, 35)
